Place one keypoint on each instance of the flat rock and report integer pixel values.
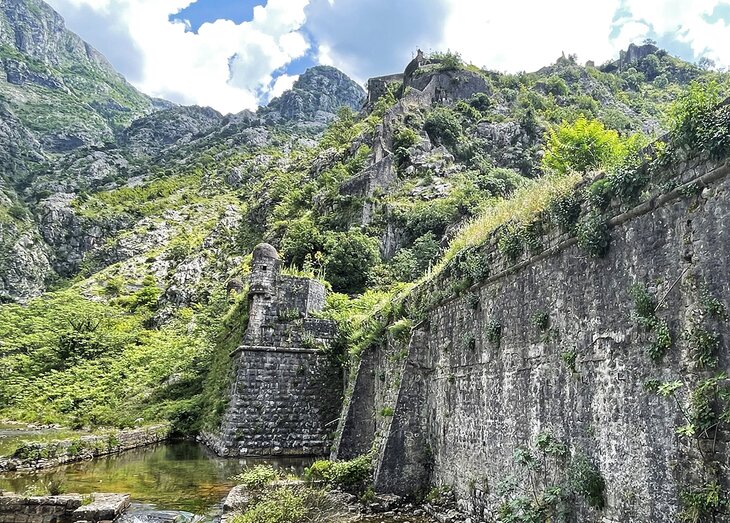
(104, 507)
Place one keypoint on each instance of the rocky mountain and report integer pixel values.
(315, 98)
(62, 89)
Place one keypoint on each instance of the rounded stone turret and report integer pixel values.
(264, 269)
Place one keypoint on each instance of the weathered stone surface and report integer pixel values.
(16, 508)
(104, 507)
(463, 408)
(315, 98)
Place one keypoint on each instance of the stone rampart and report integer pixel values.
(551, 343)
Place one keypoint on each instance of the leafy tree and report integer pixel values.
(411, 263)
(582, 146)
(341, 131)
(688, 114)
(349, 257)
(301, 238)
(403, 139)
(448, 61)
(651, 66)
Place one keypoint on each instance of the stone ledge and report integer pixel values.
(268, 348)
(68, 508)
(104, 507)
(53, 453)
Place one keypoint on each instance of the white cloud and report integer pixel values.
(283, 83)
(224, 65)
(366, 38)
(686, 21)
(526, 35)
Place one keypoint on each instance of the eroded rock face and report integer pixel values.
(70, 236)
(316, 97)
(24, 264)
(43, 65)
(177, 125)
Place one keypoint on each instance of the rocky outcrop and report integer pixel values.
(178, 125)
(315, 98)
(25, 266)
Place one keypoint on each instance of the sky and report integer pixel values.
(238, 54)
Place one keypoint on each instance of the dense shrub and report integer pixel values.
(257, 477)
(403, 139)
(301, 239)
(556, 86)
(500, 181)
(352, 474)
(408, 264)
(582, 146)
(698, 123)
(593, 235)
(443, 126)
(349, 257)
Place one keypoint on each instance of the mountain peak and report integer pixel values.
(316, 96)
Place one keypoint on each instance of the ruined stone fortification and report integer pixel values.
(286, 394)
(550, 342)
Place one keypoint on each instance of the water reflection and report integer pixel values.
(180, 476)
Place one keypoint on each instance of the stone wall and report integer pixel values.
(16, 508)
(378, 87)
(284, 401)
(47, 509)
(36, 456)
(468, 398)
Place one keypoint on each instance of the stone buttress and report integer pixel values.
(287, 392)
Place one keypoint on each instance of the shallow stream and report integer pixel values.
(172, 482)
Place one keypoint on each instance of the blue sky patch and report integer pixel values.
(202, 11)
(721, 12)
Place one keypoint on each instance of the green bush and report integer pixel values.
(443, 126)
(500, 181)
(599, 193)
(556, 86)
(318, 471)
(387, 412)
(565, 210)
(257, 477)
(278, 506)
(301, 239)
(349, 258)
(448, 60)
(409, 264)
(480, 101)
(588, 482)
(583, 146)
(352, 474)
(593, 235)
(403, 139)
(698, 123)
